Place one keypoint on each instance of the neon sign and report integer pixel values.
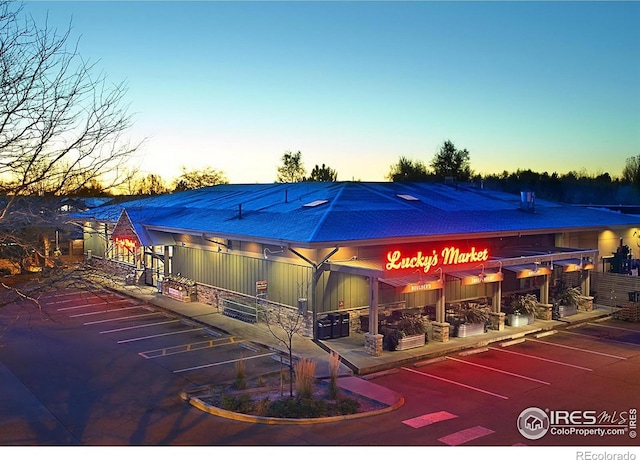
(126, 243)
(451, 255)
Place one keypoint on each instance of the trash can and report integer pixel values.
(336, 324)
(323, 328)
(344, 325)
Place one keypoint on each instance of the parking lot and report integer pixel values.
(100, 368)
(583, 379)
(199, 354)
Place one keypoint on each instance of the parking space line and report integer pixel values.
(136, 339)
(175, 350)
(614, 327)
(560, 363)
(606, 339)
(576, 348)
(463, 436)
(121, 318)
(220, 363)
(91, 313)
(428, 419)
(499, 370)
(121, 329)
(453, 382)
(77, 307)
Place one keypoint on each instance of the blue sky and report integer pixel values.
(547, 86)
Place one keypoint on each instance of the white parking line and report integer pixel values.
(220, 363)
(121, 329)
(428, 419)
(76, 307)
(560, 363)
(576, 348)
(136, 339)
(615, 327)
(91, 313)
(453, 382)
(121, 318)
(499, 370)
(604, 339)
(463, 436)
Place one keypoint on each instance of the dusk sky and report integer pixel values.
(547, 86)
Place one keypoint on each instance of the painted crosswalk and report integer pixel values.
(463, 436)
(428, 419)
(454, 439)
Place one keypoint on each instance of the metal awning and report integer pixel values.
(529, 270)
(414, 283)
(574, 265)
(478, 277)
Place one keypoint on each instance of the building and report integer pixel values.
(355, 253)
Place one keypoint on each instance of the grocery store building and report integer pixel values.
(355, 253)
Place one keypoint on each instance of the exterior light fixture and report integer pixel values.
(268, 251)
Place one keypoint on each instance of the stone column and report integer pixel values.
(373, 344)
(440, 331)
(497, 320)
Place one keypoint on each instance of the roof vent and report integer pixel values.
(527, 201)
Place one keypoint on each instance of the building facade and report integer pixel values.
(363, 250)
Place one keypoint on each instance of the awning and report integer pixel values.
(529, 270)
(471, 278)
(409, 284)
(574, 265)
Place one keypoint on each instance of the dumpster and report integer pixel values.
(323, 328)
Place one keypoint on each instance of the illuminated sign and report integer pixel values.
(482, 278)
(126, 243)
(425, 261)
(421, 286)
(528, 273)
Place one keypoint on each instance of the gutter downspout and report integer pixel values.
(315, 276)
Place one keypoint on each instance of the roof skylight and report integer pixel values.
(315, 203)
(407, 197)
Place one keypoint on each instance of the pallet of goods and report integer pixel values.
(630, 312)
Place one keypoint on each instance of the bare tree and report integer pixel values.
(284, 324)
(62, 128)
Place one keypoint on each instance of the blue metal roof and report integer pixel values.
(312, 213)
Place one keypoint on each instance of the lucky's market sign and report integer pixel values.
(430, 260)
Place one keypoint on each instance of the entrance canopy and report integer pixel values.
(529, 270)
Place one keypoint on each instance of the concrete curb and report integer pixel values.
(201, 405)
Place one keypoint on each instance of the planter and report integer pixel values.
(586, 303)
(470, 329)
(411, 341)
(516, 320)
(567, 310)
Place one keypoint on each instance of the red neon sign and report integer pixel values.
(126, 243)
(425, 261)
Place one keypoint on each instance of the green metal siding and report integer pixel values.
(286, 282)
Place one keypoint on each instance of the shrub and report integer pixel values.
(346, 406)
(297, 408)
(243, 403)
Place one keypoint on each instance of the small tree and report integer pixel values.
(284, 325)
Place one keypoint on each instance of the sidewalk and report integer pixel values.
(351, 349)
